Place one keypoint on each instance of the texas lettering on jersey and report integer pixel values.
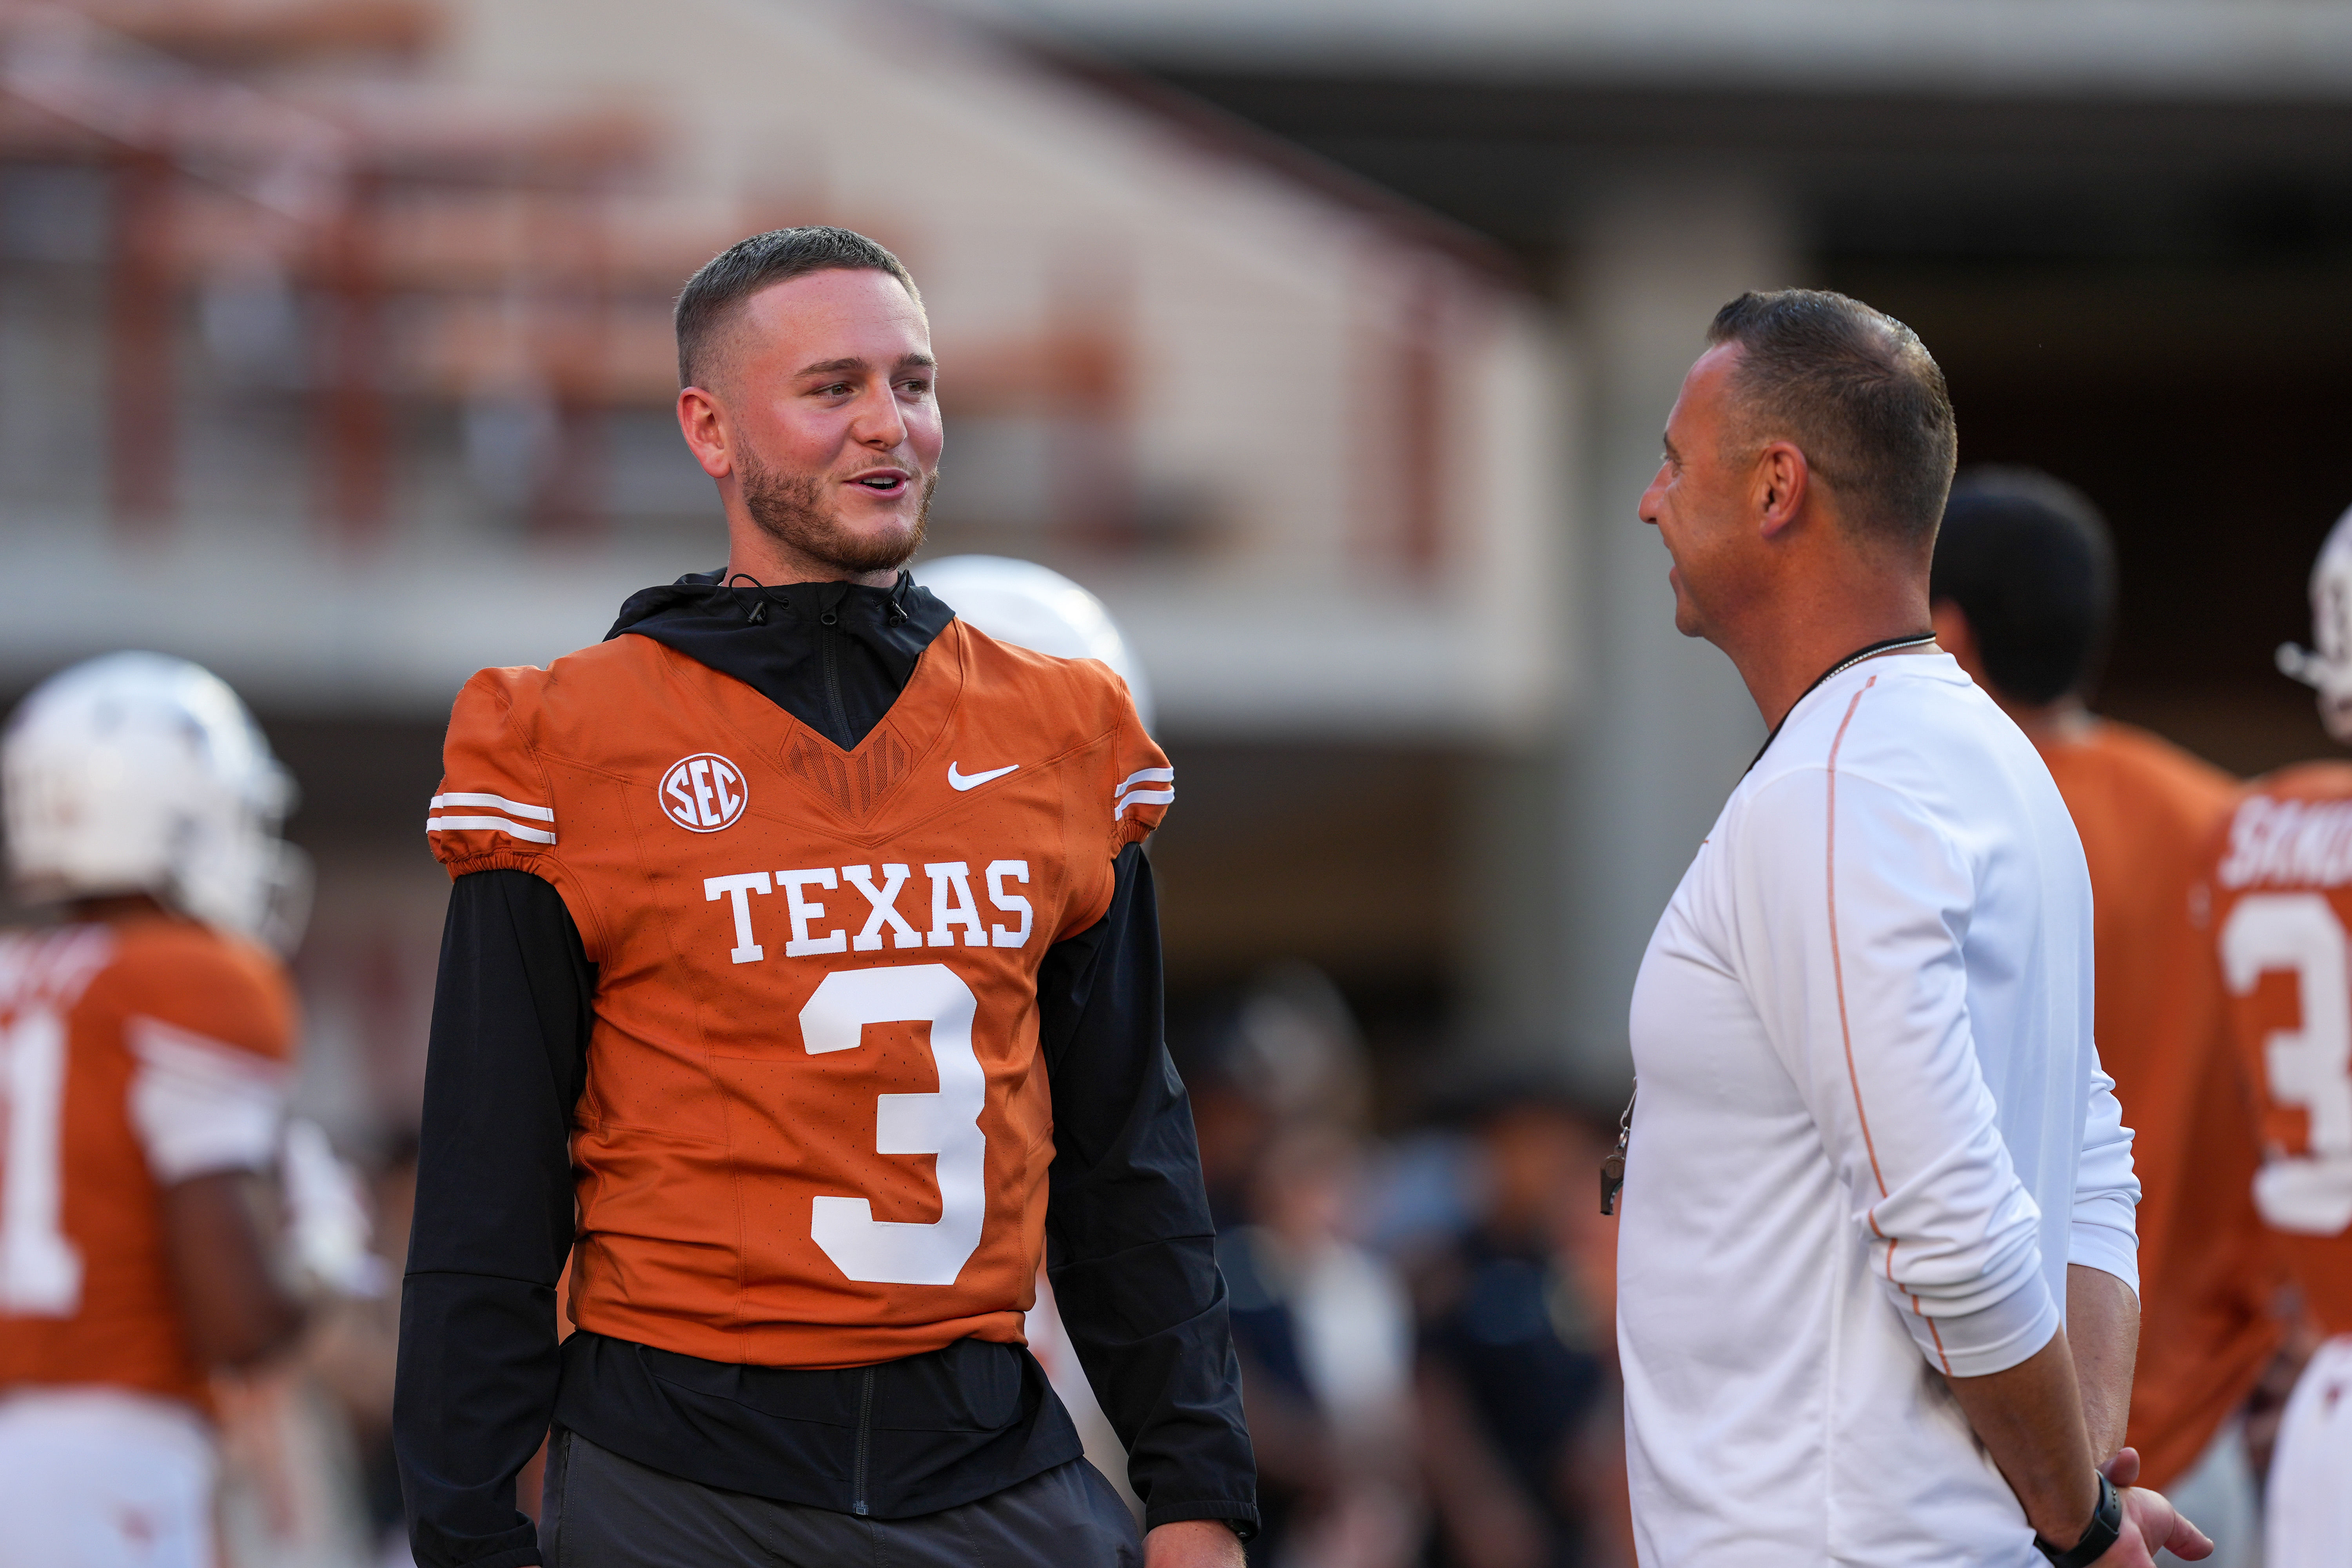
(133, 1057)
(2282, 917)
(953, 913)
(816, 1126)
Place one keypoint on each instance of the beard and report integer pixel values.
(791, 510)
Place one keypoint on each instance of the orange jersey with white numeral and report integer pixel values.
(815, 1125)
(2147, 811)
(132, 1056)
(2282, 909)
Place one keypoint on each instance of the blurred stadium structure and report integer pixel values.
(1327, 341)
(390, 333)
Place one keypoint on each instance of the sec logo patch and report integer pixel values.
(703, 793)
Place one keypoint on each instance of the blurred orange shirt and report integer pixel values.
(132, 1056)
(2281, 908)
(2147, 811)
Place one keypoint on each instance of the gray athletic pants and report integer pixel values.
(601, 1511)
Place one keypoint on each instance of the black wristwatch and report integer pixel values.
(2106, 1528)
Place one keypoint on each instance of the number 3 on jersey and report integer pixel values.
(2309, 1192)
(898, 1252)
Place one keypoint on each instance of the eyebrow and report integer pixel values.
(835, 367)
(1667, 442)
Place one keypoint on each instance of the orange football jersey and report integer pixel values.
(132, 1056)
(815, 1127)
(2281, 906)
(2147, 811)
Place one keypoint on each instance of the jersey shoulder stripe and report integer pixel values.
(440, 818)
(494, 804)
(512, 807)
(1133, 792)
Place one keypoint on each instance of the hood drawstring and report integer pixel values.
(830, 597)
(760, 606)
(755, 598)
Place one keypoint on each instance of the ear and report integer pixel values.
(702, 419)
(1781, 479)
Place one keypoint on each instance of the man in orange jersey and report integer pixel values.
(2280, 907)
(2023, 593)
(801, 944)
(145, 1039)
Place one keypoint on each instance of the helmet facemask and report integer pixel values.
(2329, 670)
(238, 873)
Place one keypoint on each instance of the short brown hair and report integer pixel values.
(1857, 392)
(748, 266)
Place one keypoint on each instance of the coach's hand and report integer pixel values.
(2151, 1523)
(1194, 1543)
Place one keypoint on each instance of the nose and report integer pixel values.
(880, 422)
(1654, 497)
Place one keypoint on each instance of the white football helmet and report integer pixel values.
(1037, 607)
(2329, 670)
(139, 773)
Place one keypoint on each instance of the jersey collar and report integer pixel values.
(835, 656)
(1869, 650)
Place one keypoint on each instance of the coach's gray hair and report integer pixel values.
(1855, 391)
(748, 266)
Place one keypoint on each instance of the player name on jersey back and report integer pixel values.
(2291, 843)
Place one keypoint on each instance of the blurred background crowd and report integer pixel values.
(1328, 342)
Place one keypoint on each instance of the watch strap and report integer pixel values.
(2106, 1529)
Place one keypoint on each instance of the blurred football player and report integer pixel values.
(145, 1042)
(2023, 596)
(2281, 909)
(800, 942)
(1035, 608)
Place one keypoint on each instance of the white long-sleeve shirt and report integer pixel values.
(1873, 1131)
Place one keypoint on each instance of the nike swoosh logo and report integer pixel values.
(973, 781)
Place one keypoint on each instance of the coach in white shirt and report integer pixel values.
(1877, 1295)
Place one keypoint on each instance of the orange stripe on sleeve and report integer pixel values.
(1845, 1027)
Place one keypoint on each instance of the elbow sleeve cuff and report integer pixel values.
(1989, 1339)
(2109, 1249)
